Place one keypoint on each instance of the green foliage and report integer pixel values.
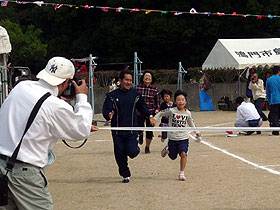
(26, 45)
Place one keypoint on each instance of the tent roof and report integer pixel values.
(5, 45)
(242, 53)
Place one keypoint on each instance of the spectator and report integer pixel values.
(151, 96)
(256, 85)
(125, 67)
(249, 93)
(247, 115)
(267, 75)
(273, 97)
(112, 84)
(165, 105)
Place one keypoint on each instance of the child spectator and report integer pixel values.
(178, 141)
(112, 84)
(166, 104)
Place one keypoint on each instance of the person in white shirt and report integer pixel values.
(247, 115)
(56, 119)
(259, 95)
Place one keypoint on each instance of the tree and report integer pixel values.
(161, 40)
(27, 48)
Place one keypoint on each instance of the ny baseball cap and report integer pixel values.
(57, 71)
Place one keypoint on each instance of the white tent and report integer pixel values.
(5, 48)
(243, 53)
(5, 45)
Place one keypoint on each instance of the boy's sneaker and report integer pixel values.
(182, 177)
(126, 180)
(164, 151)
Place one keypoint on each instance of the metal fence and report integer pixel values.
(3, 78)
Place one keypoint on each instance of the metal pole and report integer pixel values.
(181, 71)
(5, 78)
(1, 87)
(179, 83)
(239, 84)
(91, 82)
(140, 68)
(239, 79)
(135, 74)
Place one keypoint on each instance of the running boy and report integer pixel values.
(178, 141)
(166, 104)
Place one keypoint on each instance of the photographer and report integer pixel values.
(56, 119)
(257, 87)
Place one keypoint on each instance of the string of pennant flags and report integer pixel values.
(192, 11)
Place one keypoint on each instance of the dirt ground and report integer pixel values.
(222, 173)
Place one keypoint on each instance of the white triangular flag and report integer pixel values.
(39, 3)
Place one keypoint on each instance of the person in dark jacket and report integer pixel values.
(121, 106)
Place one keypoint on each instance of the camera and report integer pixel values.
(253, 78)
(70, 92)
(3, 190)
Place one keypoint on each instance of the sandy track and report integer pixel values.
(88, 178)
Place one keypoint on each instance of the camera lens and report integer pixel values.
(70, 92)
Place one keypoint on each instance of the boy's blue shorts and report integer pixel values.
(176, 147)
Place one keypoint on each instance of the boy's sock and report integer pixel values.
(182, 176)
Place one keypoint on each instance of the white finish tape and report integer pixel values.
(214, 129)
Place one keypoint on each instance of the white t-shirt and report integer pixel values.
(55, 120)
(177, 119)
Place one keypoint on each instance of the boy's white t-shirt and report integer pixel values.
(177, 119)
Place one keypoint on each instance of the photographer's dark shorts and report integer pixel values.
(176, 147)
